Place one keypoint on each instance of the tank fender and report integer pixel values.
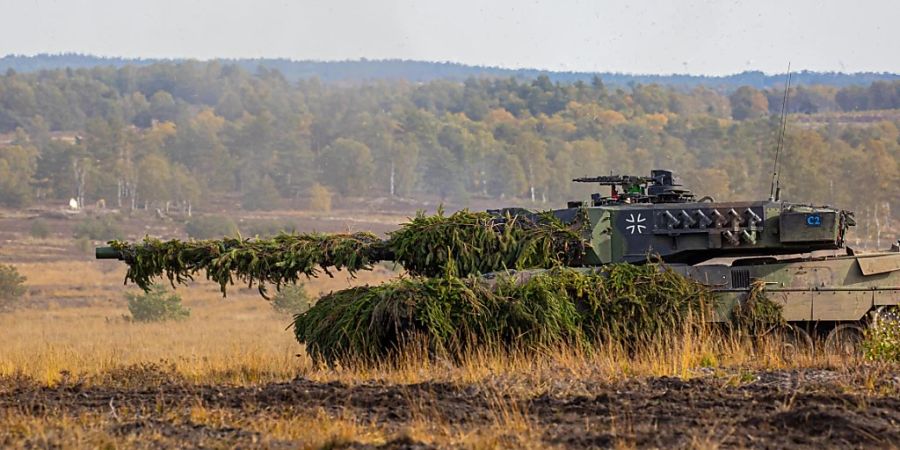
(879, 264)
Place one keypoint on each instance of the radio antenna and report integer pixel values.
(775, 189)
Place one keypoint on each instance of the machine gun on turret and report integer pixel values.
(659, 187)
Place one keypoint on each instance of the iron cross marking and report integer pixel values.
(636, 223)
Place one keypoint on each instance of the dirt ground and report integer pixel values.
(149, 407)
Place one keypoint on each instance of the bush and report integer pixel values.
(882, 339)
(156, 305)
(623, 304)
(12, 286)
(211, 227)
(262, 197)
(319, 198)
(102, 228)
(39, 229)
(292, 299)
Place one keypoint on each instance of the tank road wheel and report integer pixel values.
(795, 341)
(844, 340)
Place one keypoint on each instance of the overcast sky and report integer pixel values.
(651, 36)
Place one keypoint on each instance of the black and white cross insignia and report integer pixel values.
(636, 223)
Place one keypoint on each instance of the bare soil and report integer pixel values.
(797, 409)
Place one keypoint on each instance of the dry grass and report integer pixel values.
(315, 429)
(92, 430)
(74, 320)
(311, 429)
(79, 328)
(87, 430)
(229, 343)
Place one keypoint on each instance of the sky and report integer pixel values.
(638, 36)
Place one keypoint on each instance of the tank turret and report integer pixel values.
(653, 216)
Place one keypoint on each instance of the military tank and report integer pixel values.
(796, 251)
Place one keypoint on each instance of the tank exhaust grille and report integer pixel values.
(740, 278)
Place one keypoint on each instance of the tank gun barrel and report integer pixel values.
(377, 252)
(462, 243)
(108, 253)
(609, 180)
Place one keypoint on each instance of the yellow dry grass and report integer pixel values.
(79, 327)
(239, 342)
(74, 320)
(314, 429)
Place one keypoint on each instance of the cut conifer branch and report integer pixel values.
(461, 244)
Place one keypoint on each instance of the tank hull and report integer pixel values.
(809, 289)
(812, 290)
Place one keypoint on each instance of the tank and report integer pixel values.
(797, 251)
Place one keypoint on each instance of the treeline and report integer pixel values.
(364, 70)
(171, 135)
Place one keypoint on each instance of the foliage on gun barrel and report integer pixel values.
(472, 243)
(279, 260)
(461, 244)
(621, 303)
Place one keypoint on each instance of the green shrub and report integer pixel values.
(103, 228)
(156, 305)
(39, 229)
(211, 227)
(263, 196)
(882, 341)
(622, 304)
(12, 286)
(292, 299)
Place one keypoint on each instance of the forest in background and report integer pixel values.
(174, 135)
(355, 71)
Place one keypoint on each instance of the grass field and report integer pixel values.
(75, 373)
